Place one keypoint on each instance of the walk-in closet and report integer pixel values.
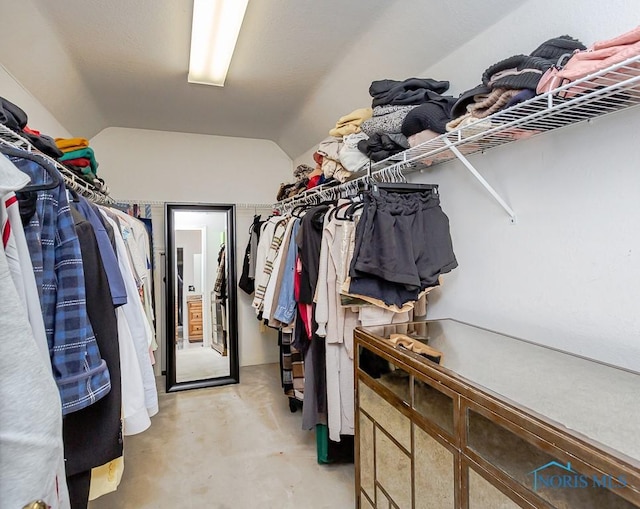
(293, 254)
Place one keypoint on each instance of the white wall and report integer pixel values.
(568, 273)
(39, 117)
(32, 49)
(180, 167)
(168, 166)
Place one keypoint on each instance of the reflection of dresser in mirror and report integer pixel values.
(218, 324)
(194, 318)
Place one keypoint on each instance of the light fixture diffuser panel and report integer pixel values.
(214, 32)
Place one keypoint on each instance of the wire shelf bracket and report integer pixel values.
(467, 164)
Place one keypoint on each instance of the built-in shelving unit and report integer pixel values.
(612, 89)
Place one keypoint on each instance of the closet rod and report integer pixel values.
(139, 202)
(389, 174)
(257, 206)
(260, 206)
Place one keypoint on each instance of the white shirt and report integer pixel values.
(139, 330)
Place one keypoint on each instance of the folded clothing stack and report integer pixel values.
(336, 159)
(328, 156)
(402, 109)
(350, 157)
(386, 120)
(412, 91)
(381, 146)
(78, 156)
(80, 159)
(350, 124)
(601, 55)
(301, 174)
(432, 116)
(14, 117)
(509, 82)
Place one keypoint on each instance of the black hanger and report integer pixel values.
(402, 187)
(295, 211)
(328, 202)
(56, 178)
(73, 195)
(349, 208)
(256, 219)
(333, 213)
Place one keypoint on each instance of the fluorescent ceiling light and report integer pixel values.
(214, 32)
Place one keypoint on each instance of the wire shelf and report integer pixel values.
(71, 180)
(609, 90)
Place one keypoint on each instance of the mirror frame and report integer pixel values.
(232, 312)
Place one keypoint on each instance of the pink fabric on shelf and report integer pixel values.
(601, 55)
(422, 137)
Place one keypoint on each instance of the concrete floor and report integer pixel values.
(200, 363)
(232, 447)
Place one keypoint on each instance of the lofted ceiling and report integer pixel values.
(298, 64)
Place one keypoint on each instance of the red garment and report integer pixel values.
(28, 130)
(318, 157)
(82, 162)
(297, 277)
(306, 312)
(313, 181)
(305, 309)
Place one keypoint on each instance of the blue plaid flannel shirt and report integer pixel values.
(81, 374)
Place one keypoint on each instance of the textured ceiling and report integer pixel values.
(298, 64)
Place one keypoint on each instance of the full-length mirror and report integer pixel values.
(202, 339)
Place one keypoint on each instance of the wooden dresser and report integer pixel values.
(499, 423)
(194, 317)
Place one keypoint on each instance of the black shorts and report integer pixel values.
(403, 239)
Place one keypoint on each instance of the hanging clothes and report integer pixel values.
(342, 266)
(134, 233)
(32, 460)
(285, 310)
(248, 276)
(336, 324)
(272, 291)
(135, 329)
(93, 435)
(107, 251)
(220, 285)
(76, 329)
(271, 238)
(80, 372)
